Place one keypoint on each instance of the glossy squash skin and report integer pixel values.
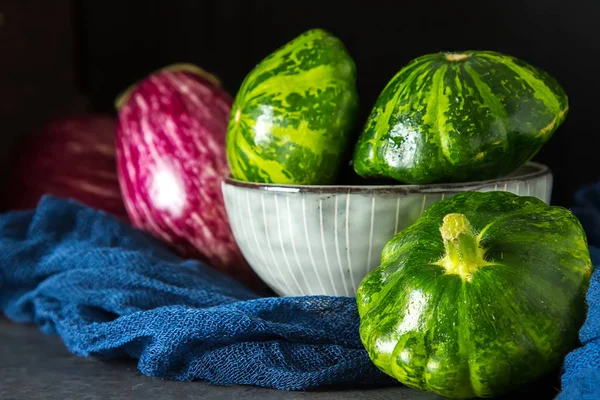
(485, 292)
(457, 117)
(293, 116)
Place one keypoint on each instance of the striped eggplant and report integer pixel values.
(171, 162)
(452, 117)
(71, 157)
(292, 118)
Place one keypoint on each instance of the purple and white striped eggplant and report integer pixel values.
(71, 157)
(171, 162)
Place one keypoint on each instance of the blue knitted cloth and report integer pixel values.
(581, 369)
(112, 291)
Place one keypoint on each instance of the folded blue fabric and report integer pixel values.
(581, 369)
(112, 291)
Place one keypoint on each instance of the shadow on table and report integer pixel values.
(547, 387)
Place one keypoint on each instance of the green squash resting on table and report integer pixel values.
(485, 292)
(292, 119)
(458, 117)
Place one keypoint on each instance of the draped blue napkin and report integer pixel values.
(581, 369)
(111, 291)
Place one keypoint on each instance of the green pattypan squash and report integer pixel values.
(485, 292)
(459, 117)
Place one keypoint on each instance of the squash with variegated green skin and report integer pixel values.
(292, 118)
(485, 292)
(457, 117)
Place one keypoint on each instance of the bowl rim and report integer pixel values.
(537, 170)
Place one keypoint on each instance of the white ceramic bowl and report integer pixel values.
(310, 240)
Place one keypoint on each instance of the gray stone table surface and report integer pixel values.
(36, 366)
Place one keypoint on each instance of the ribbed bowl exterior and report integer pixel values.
(323, 240)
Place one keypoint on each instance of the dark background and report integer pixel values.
(115, 42)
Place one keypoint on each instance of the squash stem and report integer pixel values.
(463, 255)
(454, 57)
